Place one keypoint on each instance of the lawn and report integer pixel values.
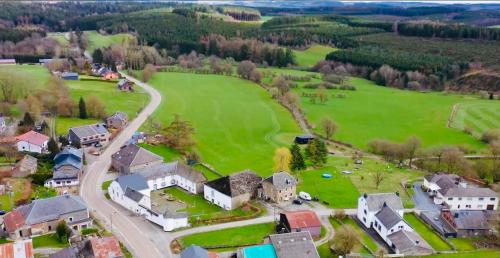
(63, 124)
(233, 237)
(168, 154)
(338, 191)
(237, 124)
(479, 117)
(377, 112)
(310, 56)
(364, 238)
(463, 244)
(324, 251)
(22, 190)
(49, 240)
(200, 209)
(97, 40)
(474, 254)
(35, 75)
(42, 192)
(427, 233)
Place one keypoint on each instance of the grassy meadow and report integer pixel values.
(478, 117)
(434, 240)
(376, 112)
(310, 56)
(97, 40)
(237, 124)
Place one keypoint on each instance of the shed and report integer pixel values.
(303, 220)
(69, 76)
(304, 139)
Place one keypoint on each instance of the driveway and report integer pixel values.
(422, 200)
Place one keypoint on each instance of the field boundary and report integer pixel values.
(454, 112)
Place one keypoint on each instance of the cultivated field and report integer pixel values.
(478, 117)
(312, 55)
(237, 124)
(373, 112)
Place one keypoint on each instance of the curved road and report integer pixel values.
(141, 237)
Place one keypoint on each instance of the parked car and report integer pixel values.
(2, 212)
(305, 196)
(297, 201)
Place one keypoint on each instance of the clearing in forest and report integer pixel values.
(312, 55)
(237, 124)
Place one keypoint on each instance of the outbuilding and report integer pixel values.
(303, 220)
(304, 139)
(69, 76)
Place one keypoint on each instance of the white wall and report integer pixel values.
(471, 203)
(169, 180)
(384, 232)
(217, 198)
(367, 218)
(61, 183)
(26, 146)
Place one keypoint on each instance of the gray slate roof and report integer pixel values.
(133, 194)
(376, 201)
(133, 155)
(89, 130)
(134, 181)
(388, 217)
(119, 115)
(66, 172)
(471, 219)
(294, 245)
(42, 210)
(407, 240)
(281, 180)
(194, 251)
(236, 184)
(470, 192)
(172, 168)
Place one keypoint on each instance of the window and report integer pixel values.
(364, 219)
(364, 211)
(70, 219)
(459, 198)
(379, 227)
(492, 199)
(481, 198)
(450, 199)
(392, 230)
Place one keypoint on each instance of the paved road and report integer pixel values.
(141, 237)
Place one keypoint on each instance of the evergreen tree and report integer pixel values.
(97, 56)
(82, 108)
(28, 120)
(297, 162)
(53, 146)
(316, 152)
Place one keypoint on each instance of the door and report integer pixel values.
(490, 207)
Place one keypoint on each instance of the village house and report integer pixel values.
(28, 165)
(32, 142)
(231, 192)
(110, 75)
(456, 194)
(383, 212)
(117, 121)
(106, 247)
(303, 220)
(195, 251)
(7, 61)
(279, 188)
(132, 158)
(87, 135)
(67, 169)
(43, 215)
(288, 245)
(3, 124)
(468, 223)
(18, 249)
(133, 193)
(70, 76)
(125, 85)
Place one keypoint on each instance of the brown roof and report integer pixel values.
(236, 184)
(133, 155)
(27, 162)
(13, 220)
(302, 219)
(107, 247)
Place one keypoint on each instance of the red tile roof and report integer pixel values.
(13, 220)
(21, 249)
(107, 247)
(33, 138)
(302, 219)
(213, 255)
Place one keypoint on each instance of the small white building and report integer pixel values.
(370, 204)
(32, 142)
(231, 192)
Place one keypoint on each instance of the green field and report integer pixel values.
(376, 112)
(35, 75)
(60, 37)
(312, 55)
(237, 124)
(479, 117)
(475, 254)
(97, 40)
(49, 241)
(427, 233)
(233, 237)
(463, 244)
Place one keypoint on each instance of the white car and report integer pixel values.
(305, 196)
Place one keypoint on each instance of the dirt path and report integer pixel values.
(454, 111)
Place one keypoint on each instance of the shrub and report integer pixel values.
(491, 135)
(88, 231)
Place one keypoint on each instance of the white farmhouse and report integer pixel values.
(32, 142)
(230, 192)
(451, 190)
(384, 213)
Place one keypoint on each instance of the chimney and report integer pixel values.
(365, 195)
(417, 242)
(385, 204)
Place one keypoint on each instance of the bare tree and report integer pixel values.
(148, 72)
(329, 127)
(245, 69)
(412, 145)
(344, 240)
(378, 177)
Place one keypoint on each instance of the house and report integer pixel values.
(32, 142)
(45, 61)
(106, 247)
(294, 245)
(195, 251)
(26, 166)
(69, 76)
(434, 184)
(231, 192)
(370, 204)
(7, 61)
(102, 71)
(468, 223)
(279, 188)
(110, 75)
(125, 85)
(383, 212)
(133, 193)
(87, 135)
(303, 220)
(118, 120)
(304, 139)
(18, 249)
(164, 175)
(67, 169)
(132, 158)
(3, 124)
(42, 216)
